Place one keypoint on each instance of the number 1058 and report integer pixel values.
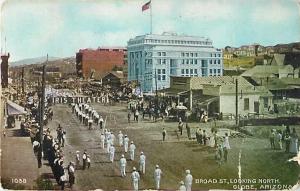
(18, 180)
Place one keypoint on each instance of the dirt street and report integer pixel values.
(173, 156)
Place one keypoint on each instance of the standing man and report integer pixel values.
(164, 133)
(112, 138)
(204, 137)
(135, 177)
(131, 150)
(180, 126)
(88, 160)
(77, 158)
(84, 158)
(188, 130)
(90, 122)
(71, 172)
(112, 153)
(226, 146)
(123, 163)
(136, 115)
(188, 180)
(108, 144)
(142, 163)
(157, 176)
(126, 142)
(120, 137)
(101, 122)
(102, 140)
(129, 116)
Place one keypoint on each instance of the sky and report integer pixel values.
(60, 28)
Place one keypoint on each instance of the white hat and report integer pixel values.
(181, 182)
(77, 151)
(134, 168)
(142, 153)
(157, 166)
(131, 141)
(122, 156)
(188, 171)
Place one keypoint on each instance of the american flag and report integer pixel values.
(146, 6)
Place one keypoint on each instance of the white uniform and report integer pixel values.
(77, 159)
(112, 138)
(157, 177)
(226, 143)
(112, 153)
(131, 151)
(108, 145)
(102, 140)
(123, 163)
(135, 177)
(143, 163)
(126, 141)
(120, 137)
(188, 182)
(182, 188)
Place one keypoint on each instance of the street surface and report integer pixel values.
(173, 156)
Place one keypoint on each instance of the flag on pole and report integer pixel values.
(146, 6)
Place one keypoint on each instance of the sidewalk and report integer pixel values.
(19, 167)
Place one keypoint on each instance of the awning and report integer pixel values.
(209, 101)
(14, 109)
(172, 92)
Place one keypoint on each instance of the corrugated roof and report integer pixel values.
(198, 82)
(262, 71)
(245, 87)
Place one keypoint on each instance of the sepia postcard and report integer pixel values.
(150, 95)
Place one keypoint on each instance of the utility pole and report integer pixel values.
(42, 109)
(23, 86)
(236, 103)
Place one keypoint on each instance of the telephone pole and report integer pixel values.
(236, 103)
(23, 86)
(42, 111)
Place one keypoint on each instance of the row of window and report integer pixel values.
(189, 61)
(183, 54)
(195, 54)
(214, 71)
(161, 53)
(174, 42)
(203, 62)
(189, 71)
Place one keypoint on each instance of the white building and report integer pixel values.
(152, 59)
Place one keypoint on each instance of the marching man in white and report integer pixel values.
(157, 176)
(112, 153)
(120, 137)
(188, 180)
(77, 159)
(112, 138)
(135, 177)
(123, 163)
(102, 140)
(131, 150)
(142, 163)
(126, 142)
(108, 145)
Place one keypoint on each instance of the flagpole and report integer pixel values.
(151, 17)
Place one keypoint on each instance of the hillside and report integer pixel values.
(28, 61)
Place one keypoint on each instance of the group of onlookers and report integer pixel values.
(286, 139)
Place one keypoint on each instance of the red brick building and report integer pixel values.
(94, 63)
(4, 70)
